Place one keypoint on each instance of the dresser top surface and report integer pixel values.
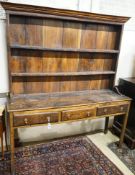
(59, 100)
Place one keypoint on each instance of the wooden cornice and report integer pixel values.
(69, 14)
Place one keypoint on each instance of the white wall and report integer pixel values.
(3, 59)
(125, 67)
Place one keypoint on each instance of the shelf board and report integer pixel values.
(27, 74)
(27, 47)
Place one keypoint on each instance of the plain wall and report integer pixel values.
(125, 67)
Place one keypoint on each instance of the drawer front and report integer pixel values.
(78, 114)
(106, 110)
(32, 119)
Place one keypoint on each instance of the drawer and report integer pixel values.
(106, 110)
(78, 114)
(35, 118)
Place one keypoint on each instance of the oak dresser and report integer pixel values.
(62, 67)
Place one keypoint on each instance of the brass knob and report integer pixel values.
(68, 115)
(122, 108)
(105, 110)
(26, 121)
(49, 119)
(88, 114)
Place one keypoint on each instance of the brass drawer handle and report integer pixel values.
(49, 119)
(88, 114)
(122, 108)
(68, 115)
(26, 121)
(105, 110)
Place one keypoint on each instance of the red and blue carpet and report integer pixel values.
(71, 156)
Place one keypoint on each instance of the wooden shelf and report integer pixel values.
(59, 55)
(27, 74)
(27, 47)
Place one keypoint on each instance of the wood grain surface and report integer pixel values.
(58, 100)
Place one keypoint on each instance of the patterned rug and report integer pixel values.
(71, 156)
(126, 155)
